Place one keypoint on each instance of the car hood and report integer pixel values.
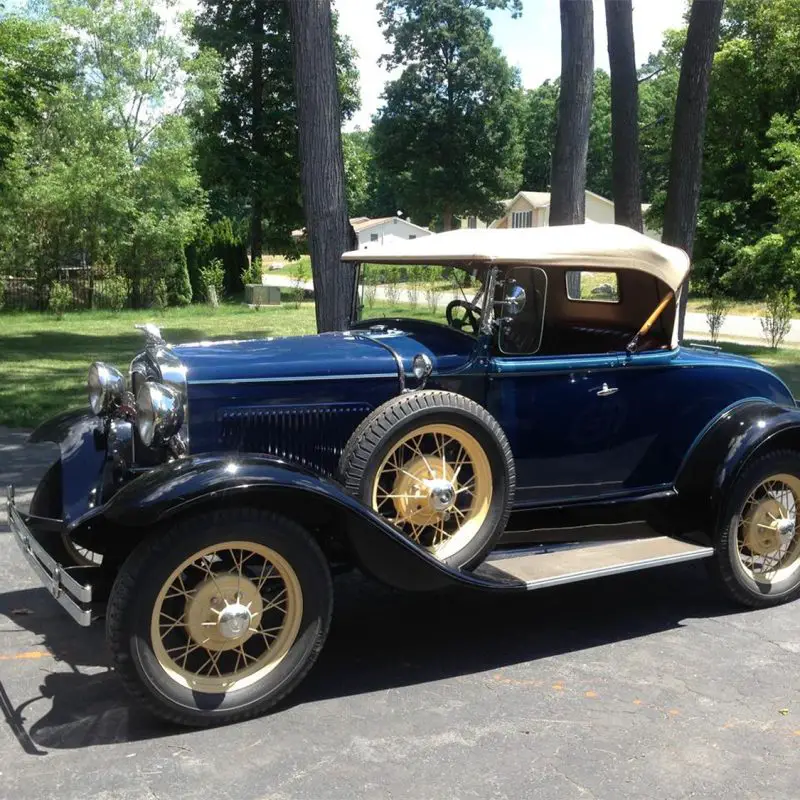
(324, 356)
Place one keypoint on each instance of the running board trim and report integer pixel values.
(557, 566)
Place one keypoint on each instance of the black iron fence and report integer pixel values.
(84, 288)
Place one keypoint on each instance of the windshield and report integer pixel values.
(450, 296)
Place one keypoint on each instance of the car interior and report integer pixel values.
(574, 311)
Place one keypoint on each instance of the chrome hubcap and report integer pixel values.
(234, 621)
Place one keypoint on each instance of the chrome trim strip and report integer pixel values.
(296, 379)
(64, 588)
(401, 370)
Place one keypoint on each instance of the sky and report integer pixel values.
(531, 43)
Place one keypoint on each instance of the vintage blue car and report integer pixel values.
(549, 429)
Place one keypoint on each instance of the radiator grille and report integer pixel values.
(313, 436)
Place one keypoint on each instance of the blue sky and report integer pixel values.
(531, 43)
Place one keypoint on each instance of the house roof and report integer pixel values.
(595, 245)
(363, 223)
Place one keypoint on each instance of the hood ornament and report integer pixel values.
(152, 334)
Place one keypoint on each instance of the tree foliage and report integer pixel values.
(105, 176)
(35, 57)
(448, 134)
(247, 143)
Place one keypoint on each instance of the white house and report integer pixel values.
(371, 231)
(532, 210)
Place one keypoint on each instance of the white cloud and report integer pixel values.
(531, 43)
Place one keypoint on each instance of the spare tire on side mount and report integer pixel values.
(439, 467)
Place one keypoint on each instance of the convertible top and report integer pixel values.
(592, 245)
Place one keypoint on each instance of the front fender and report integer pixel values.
(81, 438)
(380, 549)
(738, 434)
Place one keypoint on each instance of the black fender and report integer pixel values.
(81, 438)
(741, 432)
(198, 481)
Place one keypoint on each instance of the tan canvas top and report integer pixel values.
(592, 245)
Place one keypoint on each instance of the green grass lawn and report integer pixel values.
(44, 361)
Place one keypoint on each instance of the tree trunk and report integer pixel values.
(447, 218)
(257, 130)
(625, 180)
(568, 173)
(686, 160)
(321, 160)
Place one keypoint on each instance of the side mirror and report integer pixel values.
(514, 300)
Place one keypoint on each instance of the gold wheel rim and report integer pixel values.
(226, 617)
(435, 484)
(767, 541)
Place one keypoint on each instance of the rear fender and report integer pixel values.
(188, 484)
(741, 432)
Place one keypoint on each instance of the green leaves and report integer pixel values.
(448, 136)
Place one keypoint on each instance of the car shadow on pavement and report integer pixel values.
(380, 639)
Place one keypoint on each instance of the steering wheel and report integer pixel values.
(470, 315)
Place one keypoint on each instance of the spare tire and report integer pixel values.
(439, 467)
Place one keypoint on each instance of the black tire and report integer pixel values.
(390, 423)
(149, 567)
(726, 564)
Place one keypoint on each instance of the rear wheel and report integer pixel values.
(757, 553)
(221, 617)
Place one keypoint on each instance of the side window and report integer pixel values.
(521, 334)
(592, 287)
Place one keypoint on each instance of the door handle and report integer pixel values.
(607, 390)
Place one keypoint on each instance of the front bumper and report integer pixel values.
(73, 596)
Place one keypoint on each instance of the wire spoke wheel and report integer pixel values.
(767, 540)
(435, 484)
(226, 617)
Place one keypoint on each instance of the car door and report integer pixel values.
(561, 416)
(575, 431)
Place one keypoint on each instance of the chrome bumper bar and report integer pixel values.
(70, 594)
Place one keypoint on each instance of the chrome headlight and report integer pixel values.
(106, 387)
(159, 413)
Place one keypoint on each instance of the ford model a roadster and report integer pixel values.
(550, 429)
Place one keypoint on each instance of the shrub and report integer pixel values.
(777, 319)
(114, 293)
(2, 295)
(179, 287)
(393, 286)
(416, 278)
(60, 299)
(299, 274)
(715, 315)
(251, 273)
(762, 268)
(213, 277)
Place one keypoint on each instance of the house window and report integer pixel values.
(412, 235)
(472, 222)
(373, 237)
(522, 219)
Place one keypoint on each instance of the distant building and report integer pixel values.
(532, 210)
(375, 231)
(370, 231)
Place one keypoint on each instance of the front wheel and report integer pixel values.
(757, 555)
(221, 617)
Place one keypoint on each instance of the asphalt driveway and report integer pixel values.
(643, 685)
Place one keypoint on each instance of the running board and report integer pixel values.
(552, 566)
